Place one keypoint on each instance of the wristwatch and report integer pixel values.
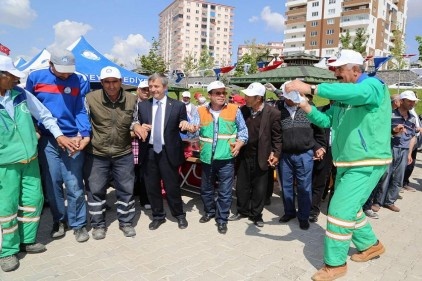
(313, 88)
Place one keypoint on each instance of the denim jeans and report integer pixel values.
(223, 170)
(299, 167)
(97, 175)
(58, 168)
(389, 190)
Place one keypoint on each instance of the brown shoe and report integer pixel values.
(392, 207)
(368, 254)
(328, 273)
(376, 207)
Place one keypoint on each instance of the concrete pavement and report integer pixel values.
(274, 252)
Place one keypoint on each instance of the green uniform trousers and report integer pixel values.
(21, 202)
(346, 221)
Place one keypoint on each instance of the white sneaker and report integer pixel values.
(371, 214)
(147, 207)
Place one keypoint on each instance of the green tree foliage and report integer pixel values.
(189, 64)
(398, 61)
(255, 54)
(153, 62)
(360, 41)
(206, 62)
(346, 40)
(419, 40)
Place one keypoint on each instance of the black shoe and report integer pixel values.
(259, 222)
(267, 201)
(156, 224)
(304, 224)
(183, 223)
(222, 228)
(237, 217)
(286, 218)
(313, 218)
(206, 218)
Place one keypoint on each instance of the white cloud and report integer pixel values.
(414, 8)
(273, 20)
(126, 51)
(16, 13)
(66, 32)
(253, 19)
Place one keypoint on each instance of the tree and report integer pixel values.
(360, 41)
(255, 54)
(346, 40)
(397, 52)
(206, 62)
(419, 40)
(153, 62)
(189, 64)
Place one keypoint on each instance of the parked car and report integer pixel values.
(197, 84)
(405, 85)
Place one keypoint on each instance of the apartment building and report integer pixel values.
(188, 26)
(315, 26)
(275, 49)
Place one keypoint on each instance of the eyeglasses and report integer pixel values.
(220, 93)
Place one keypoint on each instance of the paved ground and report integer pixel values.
(274, 252)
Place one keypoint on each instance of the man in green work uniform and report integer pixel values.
(361, 151)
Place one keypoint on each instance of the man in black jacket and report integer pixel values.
(260, 153)
(302, 142)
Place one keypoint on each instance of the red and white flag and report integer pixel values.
(408, 55)
(4, 49)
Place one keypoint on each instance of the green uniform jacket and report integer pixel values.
(18, 141)
(360, 119)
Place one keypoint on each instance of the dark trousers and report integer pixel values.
(251, 187)
(97, 174)
(139, 186)
(270, 183)
(223, 170)
(320, 176)
(157, 168)
(409, 168)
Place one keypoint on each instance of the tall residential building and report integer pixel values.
(315, 26)
(275, 49)
(188, 26)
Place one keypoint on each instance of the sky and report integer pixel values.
(124, 29)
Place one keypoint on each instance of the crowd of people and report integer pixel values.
(88, 138)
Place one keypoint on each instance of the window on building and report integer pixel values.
(313, 53)
(329, 52)
(314, 23)
(196, 25)
(331, 1)
(314, 14)
(330, 21)
(188, 10)
(293, 45)
(313, 43)
(187, 24)
(225, 29)
(331, 11)
(330, 42)
(188, 17)
(197, 11)
(330, 31)
(315, 4)
(314, 33)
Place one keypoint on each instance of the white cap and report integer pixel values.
(254, 89)
(110, 71)
(409, 95)
(6, 64)
(346, 57)
(186, 94)
(143, 84)
(63, 60)
(215, 85)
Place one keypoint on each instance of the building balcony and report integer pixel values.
(290, 3)
(295, 20)
(296, 11)
(354, 12)
(354, 3)
(294, 40)
(295, 31)
(355, 23)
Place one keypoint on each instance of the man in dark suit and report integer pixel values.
(261, 152)
(161, 119)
